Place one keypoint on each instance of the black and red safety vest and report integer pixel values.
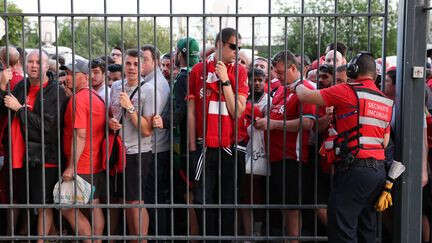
(365, 139)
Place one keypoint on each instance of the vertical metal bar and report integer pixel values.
(139, 121)
(219, 202)
(9, 115)
(188, 175)
(41, 93)
(59, 122)
(155, 133)
(171, 100)
(204, 210)
(268, 115)
(74, 142)
(91, 121)
(284, 131)
(369, 26)
(384, 45)
(317, 137)
(251, 190)
(122, 129)
(411, 51)
(236, 125)
(25, 128)
(107, 105)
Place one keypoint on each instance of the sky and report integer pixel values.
(183, 7)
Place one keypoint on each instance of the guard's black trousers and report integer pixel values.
(351, 214)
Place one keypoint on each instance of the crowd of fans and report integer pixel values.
(59, 122)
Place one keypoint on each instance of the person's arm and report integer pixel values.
(80, 144)
(145, 121)
(425, 151)
(291, 125)
(191, 125)
(146, 125)
(310, 96)
(228, 92)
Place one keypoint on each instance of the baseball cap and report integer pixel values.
(182, 46)
(81, 66)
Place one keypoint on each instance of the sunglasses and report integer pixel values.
(233, 46)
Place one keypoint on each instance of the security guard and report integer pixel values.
(362, 116)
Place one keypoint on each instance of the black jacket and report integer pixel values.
(54, 99)
(179, 109)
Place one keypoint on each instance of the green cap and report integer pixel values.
(193, 49)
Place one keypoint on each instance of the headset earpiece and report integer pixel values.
(352, 66)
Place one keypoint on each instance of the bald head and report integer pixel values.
(329, 58)
(14, 56)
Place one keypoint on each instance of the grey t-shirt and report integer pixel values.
(131, 133)
(161, 136)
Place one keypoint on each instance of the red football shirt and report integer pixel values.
(81, 119)
(196, 88)
(343, 98)
(290, 105)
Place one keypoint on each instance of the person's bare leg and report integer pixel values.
(246, 220)
(293, 224)
(134, 219)
(84, 227)
(322, 215)
(193, 220)
(99, 220)
(425, 229)
(114, 218)
(44, 227)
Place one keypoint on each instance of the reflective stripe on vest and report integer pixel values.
(377, 98)
(363, 120)
(371, 140)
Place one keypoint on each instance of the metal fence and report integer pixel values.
(170, 214)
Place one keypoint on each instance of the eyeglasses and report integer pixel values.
(233, 46)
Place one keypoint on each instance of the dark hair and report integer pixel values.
(285, 55)
(392, 75)
(118, 48)
(115, 68)
(226, 34)
(366, 65)
(340, 47)
(98, 63)
(166, 56)
(325, 68)
(341, 68)
(106, 59)
(255, 72)
(133, 53)
(153, 50)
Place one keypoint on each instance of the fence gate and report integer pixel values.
(164, 198)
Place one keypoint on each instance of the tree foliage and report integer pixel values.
(114, 35)
(351, 31)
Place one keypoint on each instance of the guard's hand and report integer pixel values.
(114, 124)
(12, 103)
(157, 121)
(68, 174)
(125, 102)
(221, 71)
